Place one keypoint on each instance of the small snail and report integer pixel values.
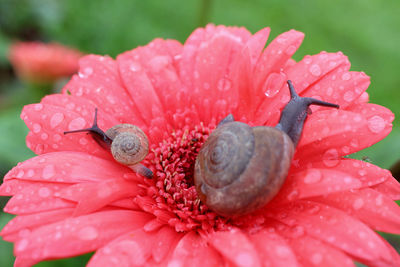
(128, 144)
(241, 168)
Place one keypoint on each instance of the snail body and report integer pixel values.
(127, 143)
(241, 168)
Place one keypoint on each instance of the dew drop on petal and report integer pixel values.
(88, 233)
(379, 200)
(358, 203)
(313, 176)
(76, 124)
(22, 245)
(135, 66)
(346, 76)
(315, 70)
(316, 258)
(44, 192)
(348, 96)
(36, 128)
(376, 124)
(83, 141)
(38, 107)
(290, 50)
(44, 136)
(282, 251)
(224, 85)
(48, 171)
(30, 173)
(56, 119)
(57, 137)
(244, 259)
(331, 157)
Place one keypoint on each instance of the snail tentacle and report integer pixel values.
(98, 134)
(295, 113)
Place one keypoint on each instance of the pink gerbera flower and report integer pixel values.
(74, 198)
(42, 63)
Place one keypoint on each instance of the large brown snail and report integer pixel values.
(241, 168)
(128, 144)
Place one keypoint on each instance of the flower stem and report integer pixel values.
(205, 7)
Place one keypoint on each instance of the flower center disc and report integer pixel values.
(173, 183)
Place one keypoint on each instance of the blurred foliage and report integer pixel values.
(365, 30)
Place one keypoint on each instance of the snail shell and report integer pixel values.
(129, 143)
(241, 168)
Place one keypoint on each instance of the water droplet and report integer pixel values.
(44, 192)
(272, 84)
(282, 251)
(135, 66)
(77, 123)
(83, 141)
(348, 180)
(22, 245)
(290, 50)
(316, 258)
(244, 259)
(70, 106)
(358, 203)
(38, 107)
(346, 149)
(36, 128)
(315, 70)
(206, 86)
(88, 233)
(87, 71)
(348, 96)
(379, 200)
(313, 176)
(30, 173)
(56, 119)
(376, 124)
(362, 172)
(111, 99)
(346, 76)
(224, 84)
(58, 235)
(331, 157)
(20, 174)
(293, 195)
(57, 137)
(44, 136)
(48, 171)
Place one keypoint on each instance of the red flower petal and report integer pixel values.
(312, 252)
(192, 250)
(59, 113)
(77, 167)
(151, 77)
(235, 246)
(273, 250)
(336, 228)
(370, 124)
(37, 197)
(390, 188)
(101, 194)
(340, 86)
(131, 249)
(303, 74)
(370, 206)
(99, 81)
(19, 225)
(315, 182)
(77, 235)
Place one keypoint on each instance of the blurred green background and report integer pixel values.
(367, 31)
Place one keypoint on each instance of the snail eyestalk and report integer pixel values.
(295, 113)
(127, 143)
(98, 134)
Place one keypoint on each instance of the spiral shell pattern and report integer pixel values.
(241, 168)
(130, 144)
